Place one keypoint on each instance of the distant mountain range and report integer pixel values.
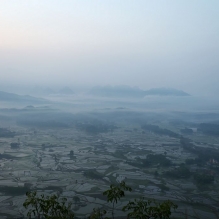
(126, 91)
(6, 97)
(66, 91)
(165, 92)
(63, 91)
(48, 91)
(117, 91)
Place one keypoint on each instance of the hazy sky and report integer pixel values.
(156, 43)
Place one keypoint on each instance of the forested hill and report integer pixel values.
(6, 97)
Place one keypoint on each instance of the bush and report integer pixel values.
(48, 207)
(203, 178)
(53, 207)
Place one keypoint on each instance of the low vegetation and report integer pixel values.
(54, 207)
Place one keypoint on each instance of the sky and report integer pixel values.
(162, 43)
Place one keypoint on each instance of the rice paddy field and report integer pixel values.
(76, 162)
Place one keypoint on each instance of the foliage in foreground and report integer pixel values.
(146, 209)
(115, 193)
(53, 207)
(48, 207)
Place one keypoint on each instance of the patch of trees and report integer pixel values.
(137, 163)
(197, 161)
(186, 131)
(190, 161)
(127, 130)
(95, 127)
(6, 156)
(209, 129)
(163, 187)
(44, 124)
(180, 172)
(203, 178)
(151, 160)
(160, 131)
(13, 191)
(5, 133)
(55, 207)
(15, 145)
(48, 145)
(156, 159)
(71, 154)
(93, 174)
(204, 154)
(187, 145)
(119, 154)
(46, 120)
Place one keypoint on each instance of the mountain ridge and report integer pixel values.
(8, 96)
(126, 91)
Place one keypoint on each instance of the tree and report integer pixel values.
(15, 145)
(76, 200)
(203, 178)
(147, 209)
(98, 214)
(71, 153)
(115, 193)
(53, 207)
(48, 207)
